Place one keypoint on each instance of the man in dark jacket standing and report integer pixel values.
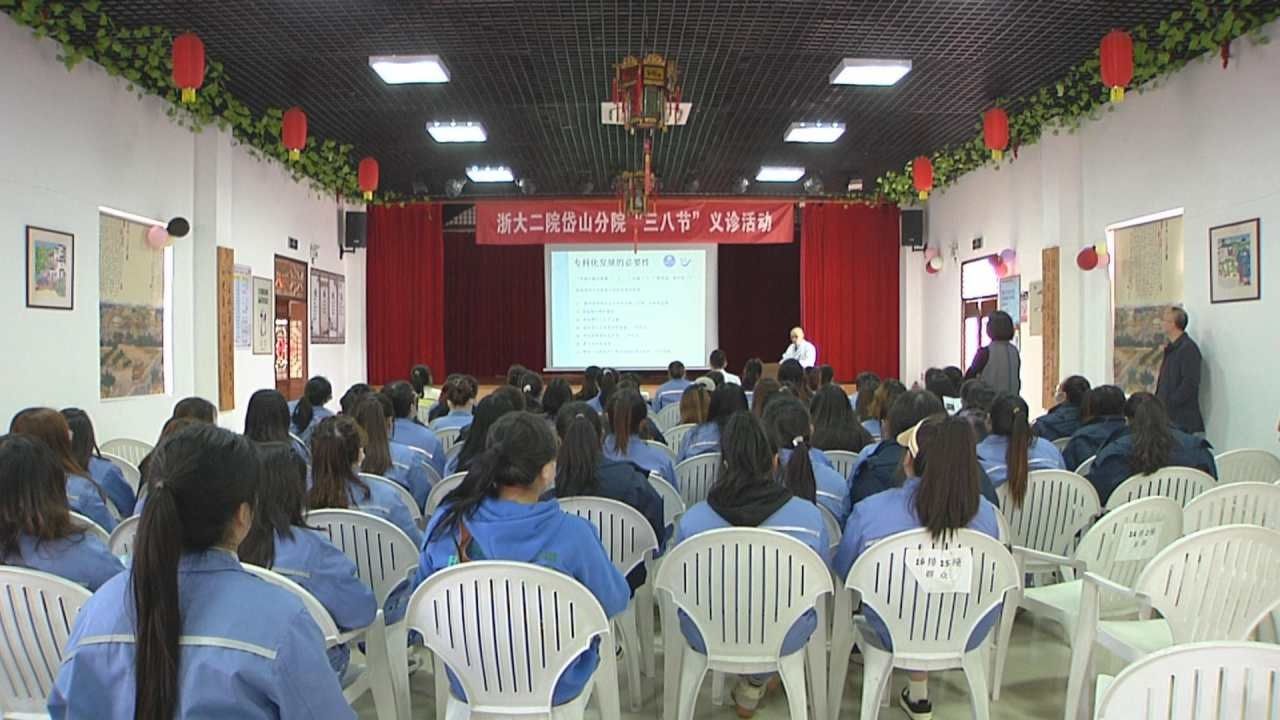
(1179, 383)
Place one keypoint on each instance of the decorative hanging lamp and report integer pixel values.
(293, 132)
(188, 65)
(995, 132)
(644, 90)
(922, 176)
(368, 177)
(1116, 55)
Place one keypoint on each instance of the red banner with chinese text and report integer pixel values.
(540, 222)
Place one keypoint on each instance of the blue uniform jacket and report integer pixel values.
(701, 440)
(455, 419)
(1086, 441)
(408, 472)
(879, 468)
(408, 432)
(83, 497)
(80, 558)
(669, 393)
(112, 482)
(873, 426)
(384, 502)
(1112, 466)
(317, 415)
(1061, 421)
(833, 488)
(991, 456)
(641, 453)
(249, 651)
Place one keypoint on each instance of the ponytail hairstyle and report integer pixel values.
(608, 387)
(580, 431)
(946, 461)
(48, 426)
(335, 450)
(826, 375)
(937, 382)
(557, 395)
(201, 478)
(266, 419)
(372, 418)
(1103, 401)
(457, 392)
(694, 403)
(725, 401)
(590, 384)
(1075, 388)
(515, 373)
(519, 446)
(487, 413)
(835, 427)
(84, 443)
(282, 492)
(867, 383)
(198, 408)
(789, 427)
(628, 411)
(812, 380)
(765, 391)
(171, 426)
(354, 395)
(420, 378)
(1009, 419)
(716, 377)
(751, 373)
(1153, 441)
(33, 494)
(887, 393)
(531, 386)
(318, 392)
(746, 454)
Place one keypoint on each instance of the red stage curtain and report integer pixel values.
(759, 298)
(404, 291)
(849, 258)
(494, 301)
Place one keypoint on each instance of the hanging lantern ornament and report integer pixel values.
(293, 132)
(1116, 54)
(922, 176)
(636, 188)
(995, 131)
(368, 176)
(644, 90)
(188, 65)
(1087, 259)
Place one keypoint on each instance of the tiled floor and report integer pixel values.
(1035, 685)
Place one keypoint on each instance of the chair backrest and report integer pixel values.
(675, 435)
(1057, 506)
(930, 593)
(129, 449)
(1086, 466)
(1247, 465)
(1179, 483)
(132, 474)
(37, 612)
(663, 447)
(834, 531)
(507, 630)
(842, 460)
(323, 619)
(668, 417)
(402, 492)
(440, 489)
(300, 443)
(1061, 443)
(383, 554)
(1217, 584)
(672, 504)
(448, 437)
(121, 540)
(1119, 546)
(626, 535)
(743, 588)
(695, 477)
(1198, 681)
(92, 528)
(1240, 503)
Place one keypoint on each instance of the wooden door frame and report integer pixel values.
(284, 297)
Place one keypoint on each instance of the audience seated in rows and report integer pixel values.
(835, 427)
(488, 411)
(705, 438)
(337, 447)
(1146, 444)
(406, 428)
(392, 460)
(1010, 451)
(309, 410)
(627, 415)
(1103, 415)
(459, 396)
(85, 452)
(671, 391)
(84, 496)
(799, 463)
(1065, 418)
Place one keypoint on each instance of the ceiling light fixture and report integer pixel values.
(486, 174)
(455, 132)
(868, 71)
(402, 69)
(779, 173)
(813, 132)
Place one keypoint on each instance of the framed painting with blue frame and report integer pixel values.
(1235, 262)
(51, 259)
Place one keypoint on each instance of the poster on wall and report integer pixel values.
(1010, 297)
(50, 269)
(328, 308)
(242, 278)
(1035, 308)
(263, 316)
(1235, 262)
(130, 310)
(1148, 279)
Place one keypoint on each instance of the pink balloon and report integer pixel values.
(1008, 256)
(157, 236)
(930, 253)
(1002, 269)
(1104, 260)
(936, 263)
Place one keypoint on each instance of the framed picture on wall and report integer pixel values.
(51, 259)
(1235, 262)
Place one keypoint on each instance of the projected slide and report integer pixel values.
(611, 306)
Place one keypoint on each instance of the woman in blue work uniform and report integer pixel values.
(308, 411)
(705, 438)
(406, 429)
(789, 426)
(1012, 451)
(624, 443)
(1103, 416)
(266, 419)
(84, 450)
(336, 449)
(84, 496)
(1146, 444)
(391, 460)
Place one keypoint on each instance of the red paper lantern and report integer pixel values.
(188, 65)
(1087, 259)
(293, 132)
(368, 174)
(1116, 53)
(922, 176)
(995, 131)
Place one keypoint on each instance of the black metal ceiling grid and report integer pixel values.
(535, 72)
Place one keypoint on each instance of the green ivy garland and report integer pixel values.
(1158, 52)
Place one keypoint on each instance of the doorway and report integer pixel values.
(291, 327)
(979, 291)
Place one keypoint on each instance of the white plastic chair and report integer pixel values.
(376, 677)
(403, 493)
(1239, 503)
(663, 447)
(92, 528)
(132, 474)
(672, 508)
(842, 460)
(507, 631)
(1086, 466)
(1248, 465)
(132, 451)
(122, 538)
(629, 540)
(770, 580)
(1058, 504)
(448, 437)
(668, 417)
(1197, 681)
(929, 619)
(440, 490)
(1180, 483)
(298, 442)
(672, 504)
(834, 531)
(1061, 443)
(675, 435)
(1215, 585)
(695, 477)
(37, 612)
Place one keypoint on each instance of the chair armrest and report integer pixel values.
(1025, 554)
(1115, 588)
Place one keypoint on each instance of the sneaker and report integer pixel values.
(918, 710)
(747, 695)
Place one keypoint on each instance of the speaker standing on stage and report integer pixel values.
(800, 349)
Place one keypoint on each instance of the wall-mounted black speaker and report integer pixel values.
(353, 232)
(912, 228)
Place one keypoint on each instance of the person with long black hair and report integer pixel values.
(835, 427)
(976, 398)
(353, 395)
(695, 402)
(590, 384)
(84, 449)
(1011, 451)
(752, 371)
(705, 438)
(406, 429)
(999, 363)
(629, 413)
(790, 429)
(421, 379)
(608, 387)
(1148, 443)
(1065, 418)
(84, 496)
(36, 527)
(488, 411)
(863, 393)
(582, 469)
(266, 419)
(497, 513)
(531, 386)
(397, 463)
(459, 395)
(1103, 416)
(187, 632)
(748, 494)
(197, 408)
(942, 493)
(337, 447)
(765, 391)
(882, 401)
(281, 540)
(307, 411)
(557, 394)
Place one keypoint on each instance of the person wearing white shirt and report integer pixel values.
(801, 350)
(720, 363)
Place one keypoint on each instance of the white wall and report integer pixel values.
(73, 141)
(1203, 142)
